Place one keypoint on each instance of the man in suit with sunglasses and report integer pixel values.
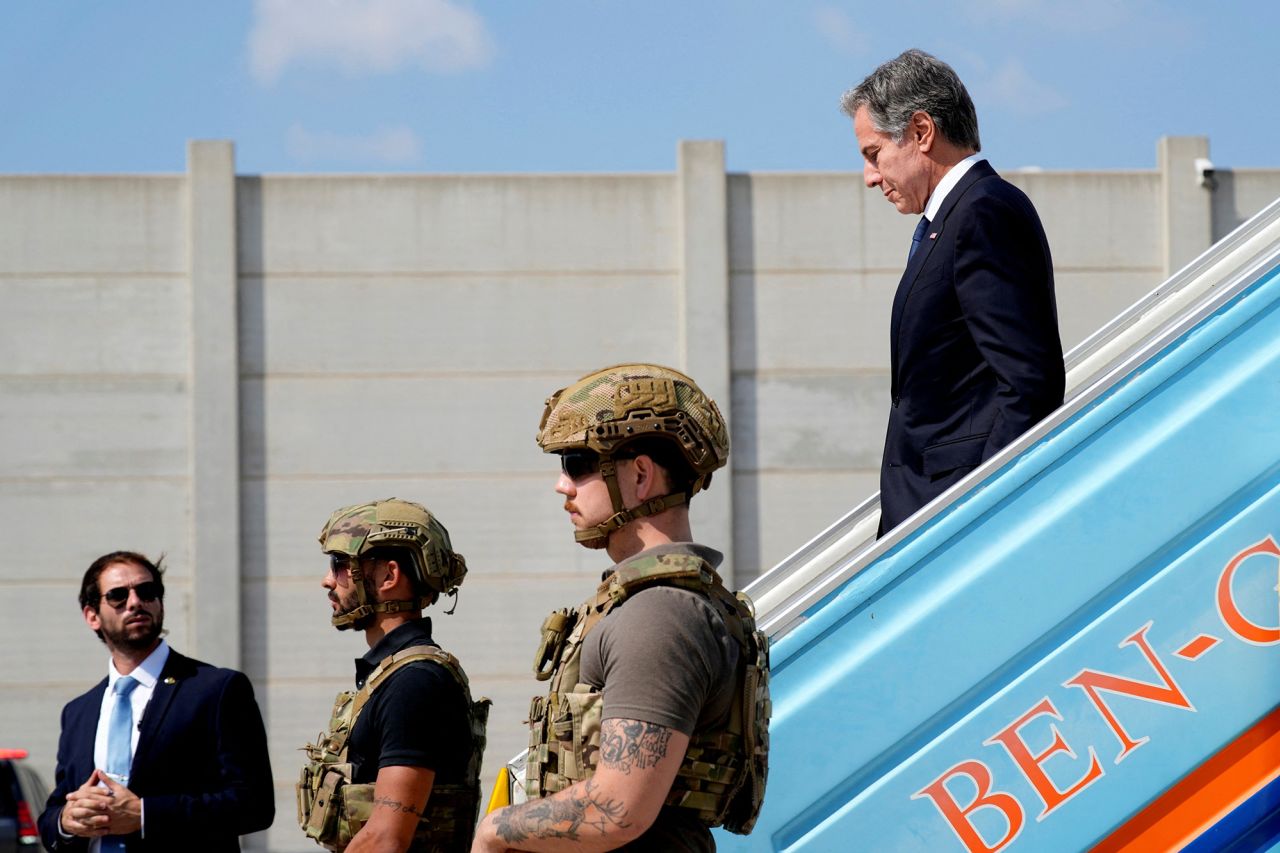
(166, 752)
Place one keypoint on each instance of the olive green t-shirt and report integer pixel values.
(665, 657)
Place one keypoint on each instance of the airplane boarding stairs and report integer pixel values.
(1078, 647)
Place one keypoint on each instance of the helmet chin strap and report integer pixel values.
(356, 618)
(348, 620)
(598, 536)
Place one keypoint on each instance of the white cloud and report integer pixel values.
(835, 26)
(366, 36)
(1013, 88)
(388, 146)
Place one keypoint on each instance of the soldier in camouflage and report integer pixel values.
(655, 725)
(398, 766)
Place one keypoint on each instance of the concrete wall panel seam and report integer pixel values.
(214, 401)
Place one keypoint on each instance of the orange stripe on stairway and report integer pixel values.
(1205, 796)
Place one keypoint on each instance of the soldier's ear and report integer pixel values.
(394, 573)
(649, 478)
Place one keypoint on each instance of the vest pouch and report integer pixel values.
(306, 794)
(555, 629)
(322, 822)
(538, 752)
(357, 807)
(748, 795)
(576, 730)
(537, 722)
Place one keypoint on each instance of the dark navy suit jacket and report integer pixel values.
(975, 354)
(201, 763)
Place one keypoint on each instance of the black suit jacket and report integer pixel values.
(201, 763)
(975, 354)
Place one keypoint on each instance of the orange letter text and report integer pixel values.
(1227, 609)
(1167, 692)
(1030, 764)
(958, 817)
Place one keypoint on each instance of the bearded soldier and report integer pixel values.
(655, 726)
(398, 768)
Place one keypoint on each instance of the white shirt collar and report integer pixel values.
(147, 672)
(948, 182)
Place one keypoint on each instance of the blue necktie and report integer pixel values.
(120, 746)
(921, 227)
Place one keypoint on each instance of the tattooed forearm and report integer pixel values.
(395, 805)
(562, 815)
(625, 744)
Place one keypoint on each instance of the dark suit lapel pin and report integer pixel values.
(933, 235)
(171, 680)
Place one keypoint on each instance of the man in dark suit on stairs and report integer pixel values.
(165, 753)
(975, 355)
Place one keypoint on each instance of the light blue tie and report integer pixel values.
(120, 746)
(921, 227)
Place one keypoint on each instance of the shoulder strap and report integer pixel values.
(401, 659)
(685, 571)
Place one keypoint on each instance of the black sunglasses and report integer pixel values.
(577, 464)
(146, 591)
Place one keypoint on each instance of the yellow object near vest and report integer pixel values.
(501, 796)
(332, 809)
(722, 778)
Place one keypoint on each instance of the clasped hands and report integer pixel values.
(92, 810)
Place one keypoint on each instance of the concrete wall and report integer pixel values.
(1239, 194)
(208, 364)
(94, 389)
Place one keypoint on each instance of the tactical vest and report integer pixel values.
(332, 809)
(722, 776)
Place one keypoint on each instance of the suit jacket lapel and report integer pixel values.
(905, 284)
(977, 171)
(175, 671)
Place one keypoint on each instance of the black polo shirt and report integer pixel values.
(416, 718)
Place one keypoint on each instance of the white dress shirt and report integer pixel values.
(146, 674)
(948, 183)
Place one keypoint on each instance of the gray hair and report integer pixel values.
(916, 81)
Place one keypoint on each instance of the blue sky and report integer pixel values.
(559, 86)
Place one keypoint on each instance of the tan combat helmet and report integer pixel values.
(608, 409)
(392, 523)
